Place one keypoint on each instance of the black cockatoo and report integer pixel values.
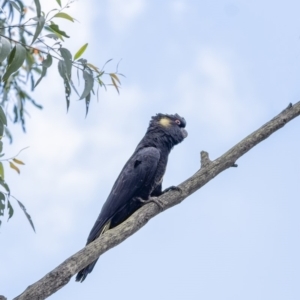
(141, 178)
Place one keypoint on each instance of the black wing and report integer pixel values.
(135, 180)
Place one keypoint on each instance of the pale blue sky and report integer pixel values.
(227, 67)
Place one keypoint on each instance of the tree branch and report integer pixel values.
(61, 275)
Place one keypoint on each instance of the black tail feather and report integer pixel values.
(85, 272)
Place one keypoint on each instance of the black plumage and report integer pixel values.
(141, 177)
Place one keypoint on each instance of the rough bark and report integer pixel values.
(61, 275)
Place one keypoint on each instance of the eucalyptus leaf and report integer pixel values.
(38, 7)
(3, 116)
(10, 210)
(58, 36)
(62, 72)
(39, 28)
(26, 214)
(48, 61)
(87, 103)
(1, 130)
(52, 36)
(73, 86)
(15, 5)
(14, 167)
(5, 185)
(2, 203)
(15, 61)
(88, 83)
(17, 161)
(67, 56)
(5, 48)
(64, 16)
(80, 51)
(1, 170)
(8, 135)
(46, 64)
(115, 84)
(56, 29)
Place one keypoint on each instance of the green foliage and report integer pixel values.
(64, 16)
(5, 196)
(80, 51)
(30, 51)
(4, 48)
(27, 50)
(15, 60)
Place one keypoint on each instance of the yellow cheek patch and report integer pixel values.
(165, 122)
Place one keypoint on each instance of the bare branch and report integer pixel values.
(61, 275)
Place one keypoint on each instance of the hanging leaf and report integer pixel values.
(15, 5)
(88, 84)
(14, 167)
(1, 171)
(87, 103)
(73, 86)
(52, 36)
(62, 68)
(57, 35)
(94, 68)
(8, 135)
(115, 84)
(46, 64)
(38, 7)
(16, 59)
(26, 214)
(10, 210)
(2, 203)
(35, 104)
(62, 72)
(2, 116)
(4, 48)
(17, 161)
(39, 28)
(80, 51)
(22, 9)
(59, 2)
(55, 28)
(64, 16)
(83, 61)
(115, 77)
(67, 56)
(1, 146)
(48, 61)
(1, 130)
(101, 83)
(4, 184)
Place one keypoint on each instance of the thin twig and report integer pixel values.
(8, 159)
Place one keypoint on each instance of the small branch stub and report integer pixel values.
(205, 161)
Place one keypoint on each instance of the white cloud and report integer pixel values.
(122, 13)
